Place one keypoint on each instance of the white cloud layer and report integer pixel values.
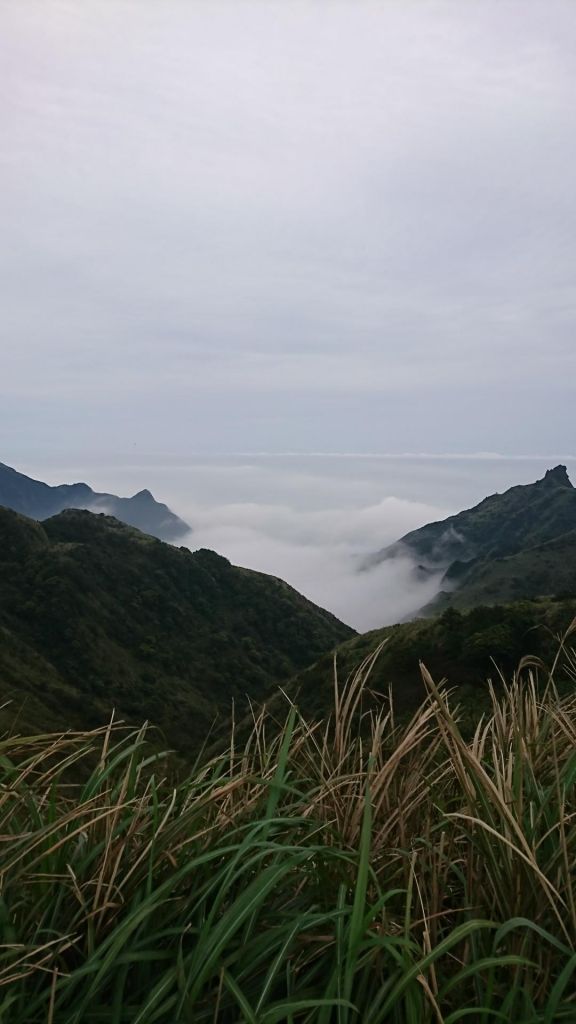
(319, 552)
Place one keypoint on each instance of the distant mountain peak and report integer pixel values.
(40, 501)
(557, 477)
(519, 544)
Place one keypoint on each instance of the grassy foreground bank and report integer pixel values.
(322, 873)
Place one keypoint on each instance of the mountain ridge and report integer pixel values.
(524, 523)
(38, 500)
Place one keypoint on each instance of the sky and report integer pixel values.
(304, 268)
(286, 226)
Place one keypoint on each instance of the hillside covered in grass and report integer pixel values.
(317, 874)
(95, 615)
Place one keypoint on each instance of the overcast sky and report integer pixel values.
(287, 226)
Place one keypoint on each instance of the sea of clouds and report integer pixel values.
(320, 552)
(312, 519)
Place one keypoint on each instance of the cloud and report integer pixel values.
(320, 552)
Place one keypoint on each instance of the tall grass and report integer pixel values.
(356, 870)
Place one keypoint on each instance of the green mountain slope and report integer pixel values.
(501, 524)
(40, 501)
(547, 569)
(465, 648)
(520, 544)
(95, 615)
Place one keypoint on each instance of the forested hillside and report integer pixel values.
(464, 648)
(96, 615)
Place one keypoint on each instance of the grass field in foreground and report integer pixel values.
(355, 870)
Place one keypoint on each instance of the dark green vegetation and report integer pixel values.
(96, 615)
(40, 501)
(311, 877)
(520, 544)
(465, 648)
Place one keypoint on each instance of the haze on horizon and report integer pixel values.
(296, 227)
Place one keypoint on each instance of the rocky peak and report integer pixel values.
(557, 477)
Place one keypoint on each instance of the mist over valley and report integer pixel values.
(313, 520)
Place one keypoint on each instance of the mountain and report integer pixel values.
(40, 501)
(95, 614)
(520, 544)
(543, 570)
